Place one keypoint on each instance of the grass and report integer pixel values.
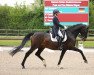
(12, 43)
(89, 44)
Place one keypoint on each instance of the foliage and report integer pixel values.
(21, 17)
(91, 14)
(4, 16)
(29, 17)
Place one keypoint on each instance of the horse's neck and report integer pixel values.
(75, 31)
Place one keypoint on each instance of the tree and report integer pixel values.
(91, 15)
(4, 16)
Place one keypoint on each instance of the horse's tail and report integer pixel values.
(17, 49)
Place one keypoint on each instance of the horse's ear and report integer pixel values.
(88, 27)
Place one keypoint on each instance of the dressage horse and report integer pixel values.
(42, 40)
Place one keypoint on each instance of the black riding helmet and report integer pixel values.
(55, 11)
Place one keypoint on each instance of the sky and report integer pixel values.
(13, 2)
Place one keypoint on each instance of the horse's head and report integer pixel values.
(79, 28)
(84, 32)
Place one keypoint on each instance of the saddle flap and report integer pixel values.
(53, 39)
(62, 35)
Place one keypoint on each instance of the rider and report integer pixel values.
(56, 26)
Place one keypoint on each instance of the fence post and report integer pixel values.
(6, 32)
(76, 43)
(18, 32)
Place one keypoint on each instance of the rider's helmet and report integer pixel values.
(55, 11)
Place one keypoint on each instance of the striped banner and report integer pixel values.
(71, 11)
(67, 9)
(67, 3)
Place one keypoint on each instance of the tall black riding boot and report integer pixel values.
(59, 39)
(60, 43)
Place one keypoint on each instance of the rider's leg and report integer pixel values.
(60, 34)
(59, 39)
(60, 43)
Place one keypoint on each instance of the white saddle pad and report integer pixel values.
(55, 40)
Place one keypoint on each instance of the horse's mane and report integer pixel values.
(75, 26)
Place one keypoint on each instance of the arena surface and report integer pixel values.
(72, 64)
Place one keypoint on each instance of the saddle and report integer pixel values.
(61, 34)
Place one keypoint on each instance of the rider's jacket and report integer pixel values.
(56, 25)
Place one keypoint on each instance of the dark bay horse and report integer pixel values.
(42, 40)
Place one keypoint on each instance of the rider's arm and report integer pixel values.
(61, 25)
(56, 22)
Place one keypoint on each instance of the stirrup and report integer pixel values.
(61, 47)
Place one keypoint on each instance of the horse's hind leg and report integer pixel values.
(38, 54)
(78, 50)
(61, 56)
(26, 55)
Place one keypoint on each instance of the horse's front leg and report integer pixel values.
(61, 56)
(81, 52)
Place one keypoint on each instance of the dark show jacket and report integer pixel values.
(56, 25)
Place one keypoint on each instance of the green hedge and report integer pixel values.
(32, 17)
(21, 17)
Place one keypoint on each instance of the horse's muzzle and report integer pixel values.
(83, 39)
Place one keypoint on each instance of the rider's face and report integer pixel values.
(57, 14)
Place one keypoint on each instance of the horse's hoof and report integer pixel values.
(61, 68)
(23, 67)
(86, 62)
(44, 65)
(58, 65)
